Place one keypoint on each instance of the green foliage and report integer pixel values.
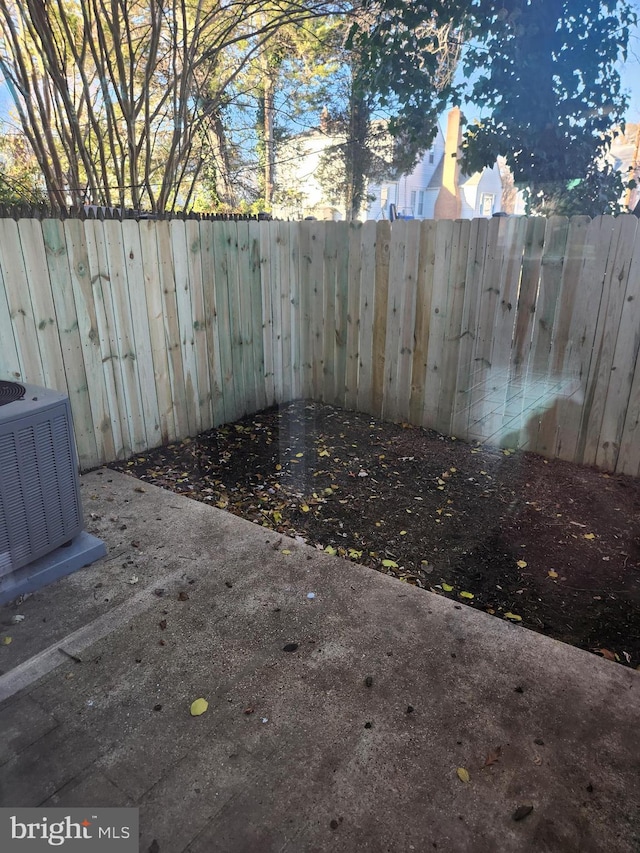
(548, 78)
(21, 180)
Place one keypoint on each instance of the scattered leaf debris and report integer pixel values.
(435, 513)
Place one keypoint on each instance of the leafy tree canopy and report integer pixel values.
(548, 78)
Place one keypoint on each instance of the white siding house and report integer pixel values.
(435, 189)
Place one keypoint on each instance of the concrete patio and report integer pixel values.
(351, 742)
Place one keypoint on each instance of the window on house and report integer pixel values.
(431, 155)
(420, 202)
(487, 200)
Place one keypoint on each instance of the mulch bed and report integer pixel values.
(546, 544)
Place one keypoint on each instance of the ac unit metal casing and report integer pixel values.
(40, 506)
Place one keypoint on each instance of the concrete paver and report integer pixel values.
(314, 749)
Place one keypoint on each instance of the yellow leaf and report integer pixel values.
(299, 455)
(453, 470)
(447, 587)
(552, 574)
(285, 551)
(440, 482)
(331, 550)
(278, 467)
(403, 533)
(277, 516)
(466, 595)
(390, 564)
(463, 775)
(513, 617)
(440, 488)
(521, 564)
(6, 641)
(354, 555)
(305, 507)
(589, 535)
(324, 453)
(198, 707)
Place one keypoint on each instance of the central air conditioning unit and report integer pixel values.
(40, 506)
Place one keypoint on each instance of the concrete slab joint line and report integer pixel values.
(313, 749)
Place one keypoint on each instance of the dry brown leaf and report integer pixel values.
(493, 756)
(606, 653)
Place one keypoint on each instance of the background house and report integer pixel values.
(434, 189)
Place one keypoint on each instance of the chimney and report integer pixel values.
(448, 204)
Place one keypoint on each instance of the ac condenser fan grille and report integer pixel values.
(10, 391)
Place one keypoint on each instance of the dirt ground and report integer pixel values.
(545, 544)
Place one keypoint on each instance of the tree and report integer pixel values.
(548, 76)
(400, 58)
(119, 98)
(20, 176)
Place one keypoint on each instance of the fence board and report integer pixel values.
(316, 293)
(352, 355)
(199, 322)
(183, 289)
(90, 313)
(124, 325)
(381, 290)
(74, 327)
(18, 296)
(454, 315)
(284, 309)
(241, 312)
(9, 357)
(438, 321)
(421, 329)
(625, 356)
(474, 277)
(220, 330)
(96, 289)
(329, 294)
(147, 265)
(255, 309)
(368, 255)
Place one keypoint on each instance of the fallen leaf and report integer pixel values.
(521, 564)
(463, 775)
(606, 653)
(589, 535)
(183, 596)
(6, 641)
(132, 580)
(521, 812)
(390, 564)
(299, 455)
(198, 707)
(139, 489)
(447, 587)
(285, 551)
(305, 507)
(493, 756)
(331, 550)
(552, 574)
(513, 617)
(466, 595)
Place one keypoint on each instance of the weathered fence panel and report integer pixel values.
(519, 332)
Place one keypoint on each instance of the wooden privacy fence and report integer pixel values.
(517, 331)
